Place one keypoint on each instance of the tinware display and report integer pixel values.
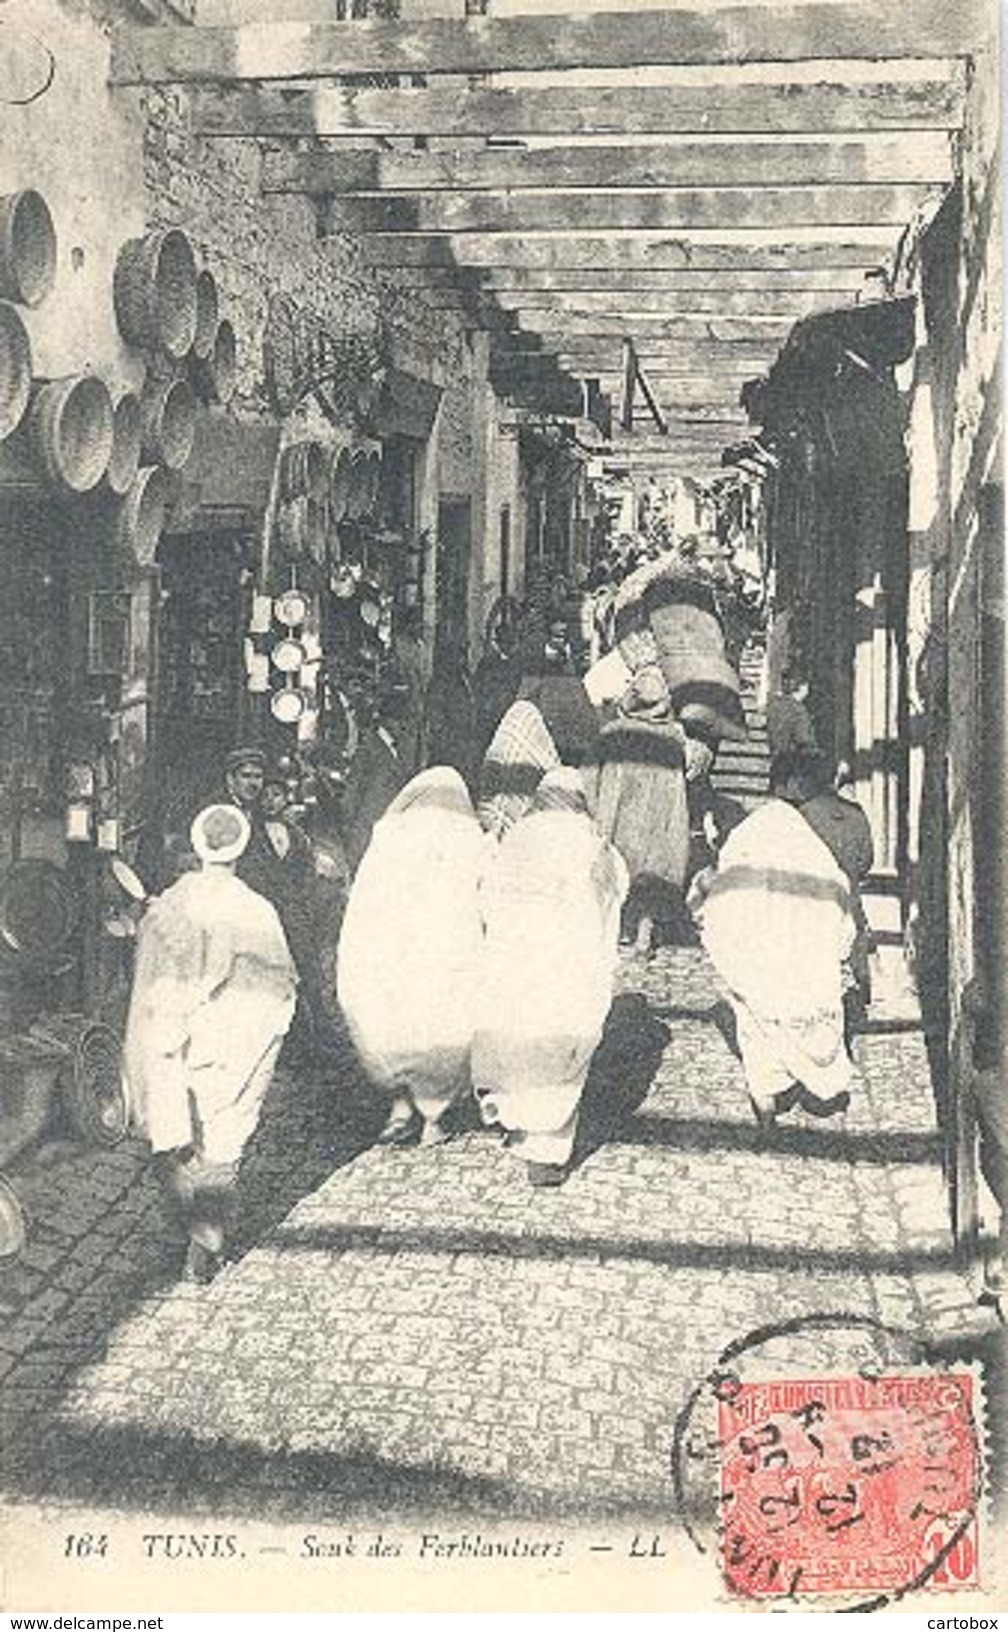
(373, 488)
(72, 430)
(143, 514)
(360, 486)
(169, 422)
(27, 248)
(287, 706)
(316, 529)
(207, 315)
(316, 470)
(13, 1228)
(15, 369)
(288, 656)
(127, 437)
(216, 375)
(339, 485)
(39, 911)
(290, 608)
(154, 292)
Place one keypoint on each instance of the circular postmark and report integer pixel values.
(832, 1456)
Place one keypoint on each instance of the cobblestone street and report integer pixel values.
(417, 1331)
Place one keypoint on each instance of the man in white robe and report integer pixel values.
(214, 992)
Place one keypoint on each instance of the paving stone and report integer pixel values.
(428, 1310)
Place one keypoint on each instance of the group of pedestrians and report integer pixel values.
(467, 932)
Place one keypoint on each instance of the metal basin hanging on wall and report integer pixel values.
(360, 482)
(316, 470)
(207, 315)
(27, 248)
(339, 486)
(154, 292)
(144, 513)
(216, 376)
(15, 369)
(169, 422)
(374, 468)
(72, 431)
(127, 436)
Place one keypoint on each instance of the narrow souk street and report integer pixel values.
(420, 1332)
(502, 771)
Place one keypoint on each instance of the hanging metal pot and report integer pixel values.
(339, 485)
(288, 482)
(288, 656)
(207, 315)
(127, 439)
(316, 529)
(216, 376)
(344, 582)
(27, 248)
(144, 513)
(296, 513)
(287, 706)
(169, 422)
(15, 369)
(290, 608)
(374, 469)
(13, 1225)
(316, 470)
(154, 292)
(360, 483)
(72, 429)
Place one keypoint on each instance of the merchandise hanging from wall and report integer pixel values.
(302, 358)
(27, 248)
(15, 369)
(155, 293)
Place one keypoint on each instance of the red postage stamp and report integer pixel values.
(849, 1484)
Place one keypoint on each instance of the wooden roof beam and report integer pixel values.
(767, 332)
(683, 207)
(693, 163)
(775, 304)
(824, 248)
(729, 108)
(510, 284)
(742, 357)
(819, 29)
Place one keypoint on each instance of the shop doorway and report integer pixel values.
(200, 686)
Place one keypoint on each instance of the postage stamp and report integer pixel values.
(848, 1484)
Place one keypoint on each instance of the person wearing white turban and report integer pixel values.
(214, 992)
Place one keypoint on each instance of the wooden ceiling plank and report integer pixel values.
(692, 302)
(452, 110)
(816, 30)
(852, 251)
(716, 207)
(765, 331)
(696, 163)
(509, 284)
(686, 392)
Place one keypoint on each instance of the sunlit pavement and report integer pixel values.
(416, 1330)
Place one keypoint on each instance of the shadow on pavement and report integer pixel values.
(621, 1073)
(836, 1144)
(717, 1255)
(134, 1469)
